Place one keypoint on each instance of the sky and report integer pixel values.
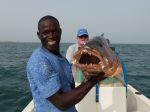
(121, 21)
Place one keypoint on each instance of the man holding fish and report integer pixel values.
(49, 73)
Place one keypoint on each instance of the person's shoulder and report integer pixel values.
(36, 52)
(72, 46)
(35, 56)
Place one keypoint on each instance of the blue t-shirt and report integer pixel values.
(47, 74)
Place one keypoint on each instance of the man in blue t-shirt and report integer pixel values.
(49, 73)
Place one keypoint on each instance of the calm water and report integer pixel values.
(14, 89)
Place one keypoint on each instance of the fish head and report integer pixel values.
(97, 56)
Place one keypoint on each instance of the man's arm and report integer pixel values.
(65, 100)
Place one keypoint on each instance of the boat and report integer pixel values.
(111, 99)
(118, 96)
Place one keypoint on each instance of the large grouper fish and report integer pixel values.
(97, 56)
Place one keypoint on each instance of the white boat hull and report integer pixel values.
(112, 99)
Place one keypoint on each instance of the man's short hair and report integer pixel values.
(48, 17)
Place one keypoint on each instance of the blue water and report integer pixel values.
(14, 88)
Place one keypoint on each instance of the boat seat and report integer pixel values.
(111, 99)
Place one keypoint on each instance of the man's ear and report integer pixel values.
(38, 34)
(60, 31)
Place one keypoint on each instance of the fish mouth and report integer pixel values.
(87, 57)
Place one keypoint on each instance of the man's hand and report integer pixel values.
(95, 77)
(98, 77)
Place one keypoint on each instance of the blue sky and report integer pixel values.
(122, 21)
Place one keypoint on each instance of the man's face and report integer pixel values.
(82, 40)
(49, 33)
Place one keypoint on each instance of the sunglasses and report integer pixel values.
(83, 36)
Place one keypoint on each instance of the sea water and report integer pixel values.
(14, 87)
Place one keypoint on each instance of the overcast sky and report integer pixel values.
(122, 21)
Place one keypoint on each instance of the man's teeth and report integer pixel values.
(52, 42)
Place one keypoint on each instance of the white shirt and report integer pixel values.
(70, 51)
(77, 73)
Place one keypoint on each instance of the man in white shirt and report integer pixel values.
(82, 38)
